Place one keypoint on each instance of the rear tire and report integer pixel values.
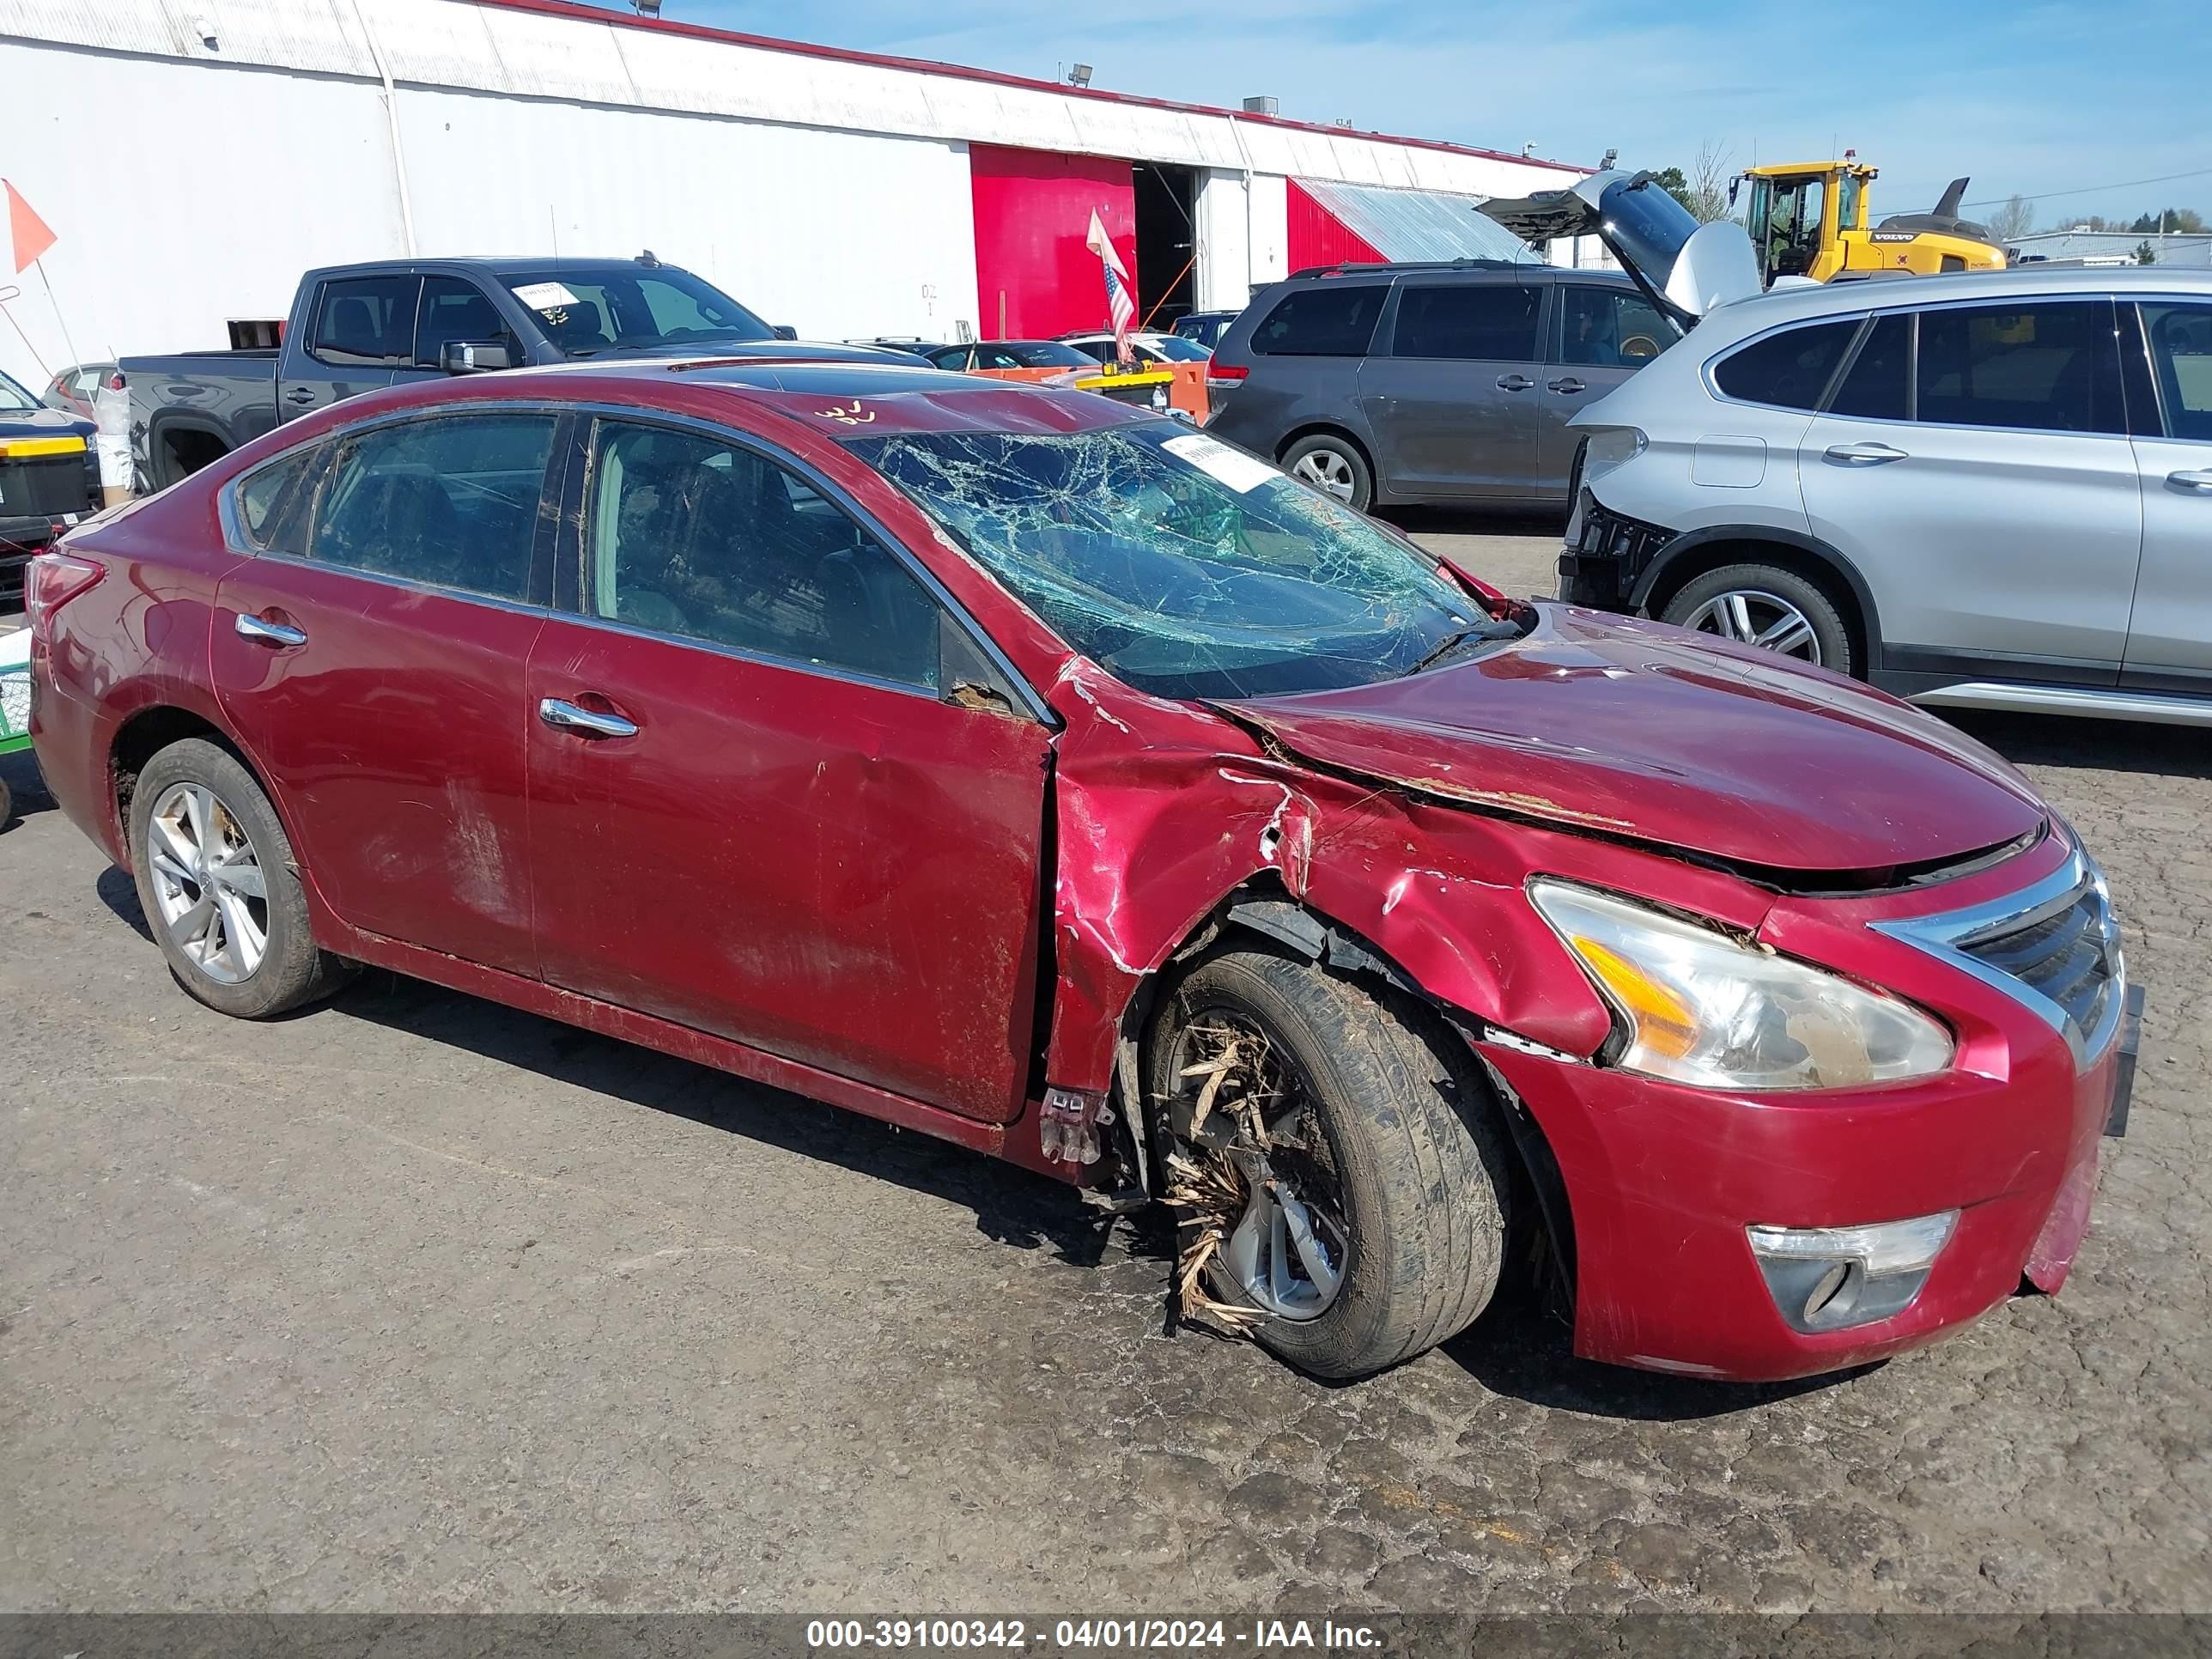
(248, 955)
(1333, 465)
(1766, 605)
(1421, 1170)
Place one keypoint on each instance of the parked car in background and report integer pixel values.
(1992, 490)
(1055, 362)
(71, 390)
(999, 356)
(1184, 359)
(357, 328)
(1057, 780)
(49, 480)
(1204, 328)
(1391, 385)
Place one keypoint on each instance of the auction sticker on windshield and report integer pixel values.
(1217, 460)
(544, 296)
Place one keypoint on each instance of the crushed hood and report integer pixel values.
(1635, 730)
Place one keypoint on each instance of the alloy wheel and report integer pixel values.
(1326, 470)
(207, 883)
(1754, 617)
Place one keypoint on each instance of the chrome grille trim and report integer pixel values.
(1955, 935)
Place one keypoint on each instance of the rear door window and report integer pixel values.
(1609, 328)
(1468, 321)
(1789, 369)
(367, 322)
(1325, 319)
(451, 502)
(2051, 366)
(1878, 385)
(2180, 339)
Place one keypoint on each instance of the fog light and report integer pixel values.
(1827, 1278)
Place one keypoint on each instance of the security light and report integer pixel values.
(1079, 75)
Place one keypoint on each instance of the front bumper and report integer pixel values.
(1661, 1180)
(1603, 562)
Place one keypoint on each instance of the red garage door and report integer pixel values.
(1034, 275)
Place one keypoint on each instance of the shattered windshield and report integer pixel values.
(1184, 567)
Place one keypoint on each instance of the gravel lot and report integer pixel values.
(413, 1302)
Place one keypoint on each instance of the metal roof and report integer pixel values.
(1417, 224)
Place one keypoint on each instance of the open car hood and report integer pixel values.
(1633, 730)
(1687, 268)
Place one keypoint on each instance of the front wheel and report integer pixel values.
(1342, 1173)
(1767, 606)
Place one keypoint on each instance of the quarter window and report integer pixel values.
(696, 536)
(2053, 367)
(272, 501)
(1478, 321)
(452, 502)
(367, 322)
(1879, 385)
(1610, 328)
(1789, 369)
(2181, 353)
(1324, 320)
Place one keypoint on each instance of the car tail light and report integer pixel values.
(1226, 374)
(49, 581)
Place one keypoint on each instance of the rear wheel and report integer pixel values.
(1767, 606)
(217, 879)
(1349, 1168)
(1333, 465)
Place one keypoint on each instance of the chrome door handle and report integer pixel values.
(269, 633)
(1514, 383)
(1570, 385)
(2198, 478)
(567, 716)
(1864, 454)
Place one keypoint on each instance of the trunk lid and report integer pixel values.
(1632, 729)
(1686, 268)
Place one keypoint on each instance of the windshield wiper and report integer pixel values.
(1482, 633)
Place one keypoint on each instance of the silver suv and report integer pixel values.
(1988, 490)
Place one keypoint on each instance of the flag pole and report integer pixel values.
(41, 264)
(13, 293)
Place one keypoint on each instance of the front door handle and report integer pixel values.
(1514, 383)
(300, 394)
(2198, 478)
(567, 716)
(269, 633)
(1569, 385)
(1864, 454)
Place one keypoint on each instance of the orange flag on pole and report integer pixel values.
(29, 233)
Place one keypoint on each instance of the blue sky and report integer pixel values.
(2029, 98)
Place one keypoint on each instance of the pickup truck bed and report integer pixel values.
(193, 407)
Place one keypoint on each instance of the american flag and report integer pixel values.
(1120, 309)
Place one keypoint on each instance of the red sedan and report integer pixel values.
(1035, 772)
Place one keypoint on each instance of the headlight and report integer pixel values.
(1704, 1010)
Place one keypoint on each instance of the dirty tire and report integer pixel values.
(1422, 1158)
(292, 970)
(1339, 459)
(1811, 600)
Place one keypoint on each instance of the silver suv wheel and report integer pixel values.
(1763, 619)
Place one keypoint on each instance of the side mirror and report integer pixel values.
(474, 356)
(786, 332)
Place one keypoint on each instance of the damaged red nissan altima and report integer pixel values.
(1025, 768)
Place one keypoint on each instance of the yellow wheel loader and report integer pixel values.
(1809, 219)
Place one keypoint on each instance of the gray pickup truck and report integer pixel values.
(354, 328)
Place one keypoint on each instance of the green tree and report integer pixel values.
(2146, 255)
(1671, 180)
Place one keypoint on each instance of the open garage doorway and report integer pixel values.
(1167, 242)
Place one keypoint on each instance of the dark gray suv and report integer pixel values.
(1390, 384)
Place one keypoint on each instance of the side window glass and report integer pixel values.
(1610, 328)
(1789, 369)
(691, 535)
(1879, 387)
(451, 502)
(271, 500)
(1323, 319)
(367, 321)
(2049, 366)
(453, 309)
(1468, 321)
(2181, 356)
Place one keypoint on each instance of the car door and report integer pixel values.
(2170, 636)
(1453, 402)
(370, 655)
(755, 810)
(1600, 334)
(363, 332)
(1974, 464)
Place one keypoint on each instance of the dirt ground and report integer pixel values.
(412, 1303)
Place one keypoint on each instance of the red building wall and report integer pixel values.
(1318, 237)
(1032, 210)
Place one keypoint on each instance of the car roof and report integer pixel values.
(1850, 298)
